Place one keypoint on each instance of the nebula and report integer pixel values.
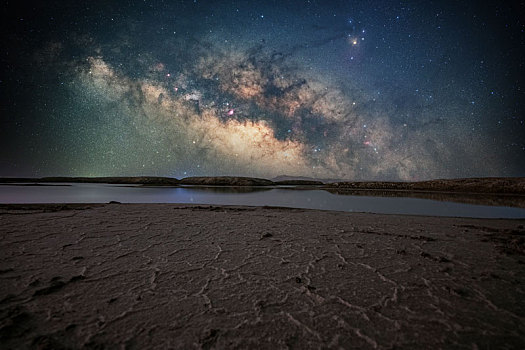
(179, 91)
(285, 122)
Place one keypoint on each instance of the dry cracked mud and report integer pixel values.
(164, 276)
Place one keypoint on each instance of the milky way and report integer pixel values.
(301, 88)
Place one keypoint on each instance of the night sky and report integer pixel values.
(374, 90)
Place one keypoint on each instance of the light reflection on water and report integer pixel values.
(312, 199)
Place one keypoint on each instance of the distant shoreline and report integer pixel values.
(492, 185)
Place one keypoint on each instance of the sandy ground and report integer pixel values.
(174, 276)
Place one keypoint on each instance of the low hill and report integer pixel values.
(299, 182)
(226, 181)
(144, 180)
(514, 185)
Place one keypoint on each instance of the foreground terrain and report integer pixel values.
(176, 276)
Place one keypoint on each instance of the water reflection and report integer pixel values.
(310, 199)
(470, 198)
(223, 189)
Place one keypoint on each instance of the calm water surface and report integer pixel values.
(312, 199)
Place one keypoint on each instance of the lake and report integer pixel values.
(283, 197)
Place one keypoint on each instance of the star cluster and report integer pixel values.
(354, 90)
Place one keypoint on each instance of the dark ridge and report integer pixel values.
(500, 185)
(281, 178)
(140, 180)
(299, 182)
(226, 181)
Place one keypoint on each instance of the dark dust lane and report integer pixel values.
(174, 276)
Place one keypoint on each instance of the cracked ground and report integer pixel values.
(174, 276)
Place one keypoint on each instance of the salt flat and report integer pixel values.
(177, 276)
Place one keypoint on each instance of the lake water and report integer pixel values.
(312, 199)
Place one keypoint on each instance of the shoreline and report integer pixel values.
(486, 199)
(486, 185)
(208, 276)
(13, 208)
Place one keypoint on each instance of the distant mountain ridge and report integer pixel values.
(144, 180)
(302, 178)
(500, 185)
(225, 181)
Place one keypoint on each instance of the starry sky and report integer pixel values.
(362, 90)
